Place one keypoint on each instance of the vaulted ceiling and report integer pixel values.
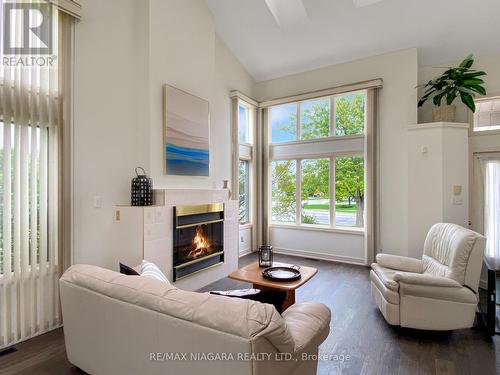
(272, 38)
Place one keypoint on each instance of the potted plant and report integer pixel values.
(461, 81)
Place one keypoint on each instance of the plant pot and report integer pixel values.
(444, 113)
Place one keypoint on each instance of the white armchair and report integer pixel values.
(438, 292)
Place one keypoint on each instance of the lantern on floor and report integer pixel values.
(265, 256)
(141, 189)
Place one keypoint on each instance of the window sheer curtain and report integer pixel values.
(490, 167)
(31, 119)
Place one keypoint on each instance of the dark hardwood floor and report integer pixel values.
(359, 333)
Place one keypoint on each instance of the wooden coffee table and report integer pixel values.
(253, 274)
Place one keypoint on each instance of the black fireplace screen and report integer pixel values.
(198, 238)
(197, 241)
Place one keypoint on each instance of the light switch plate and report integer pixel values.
(97, 201)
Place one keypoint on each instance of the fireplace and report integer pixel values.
(198, 238)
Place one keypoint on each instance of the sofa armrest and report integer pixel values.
(400, 263)
(426, 279)
(308, 324)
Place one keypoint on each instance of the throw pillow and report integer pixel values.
(126, 270)
(149, 269)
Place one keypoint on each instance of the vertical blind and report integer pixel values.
(30, 118)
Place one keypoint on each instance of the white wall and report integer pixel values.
(397, 110)
(125, 51)
(105, 123)
(434, 173)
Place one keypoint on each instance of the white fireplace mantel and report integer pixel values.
(147, 233)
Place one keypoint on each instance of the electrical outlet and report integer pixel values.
(117, 215)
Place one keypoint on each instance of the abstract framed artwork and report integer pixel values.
(186, 142)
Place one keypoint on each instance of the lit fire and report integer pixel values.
(201, 244)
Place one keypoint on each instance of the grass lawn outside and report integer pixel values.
(339, 207)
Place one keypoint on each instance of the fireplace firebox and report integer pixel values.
(198, 238)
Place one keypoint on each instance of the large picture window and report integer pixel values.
(317, 177)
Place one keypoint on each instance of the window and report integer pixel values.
(35, 174)
(491, 171)
(315, 183)
(34, 185)
(315, 117)
(487, 115)
(283, 191)
(349, 191)
(322, 181)
(315, 191)
(283, 120)
(243, 124)
(244, 190)
(243, 166)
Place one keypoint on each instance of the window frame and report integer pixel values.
(331, 155)
(245, 151)
(474, 132)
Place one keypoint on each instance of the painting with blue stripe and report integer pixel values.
(186, 133)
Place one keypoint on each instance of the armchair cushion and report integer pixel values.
(386, 276)
(397, 262)
(425, 279)
(461, 295)
(308, 324)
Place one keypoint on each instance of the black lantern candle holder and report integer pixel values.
(141, 189)
(266, 256)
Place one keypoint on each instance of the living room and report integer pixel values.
(353, 143)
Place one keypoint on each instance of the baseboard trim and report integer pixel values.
(244, 252)
(320, 256)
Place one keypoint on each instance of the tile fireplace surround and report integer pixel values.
(147, 233)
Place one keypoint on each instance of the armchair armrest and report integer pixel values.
(426, 279)
(308, 324)
(400, 263)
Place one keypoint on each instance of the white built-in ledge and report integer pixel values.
(431, 125)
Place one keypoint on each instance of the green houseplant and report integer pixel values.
(461, 81)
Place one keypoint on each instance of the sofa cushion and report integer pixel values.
(244, 318)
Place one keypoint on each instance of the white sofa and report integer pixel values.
(117, 324)
(438, 292)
